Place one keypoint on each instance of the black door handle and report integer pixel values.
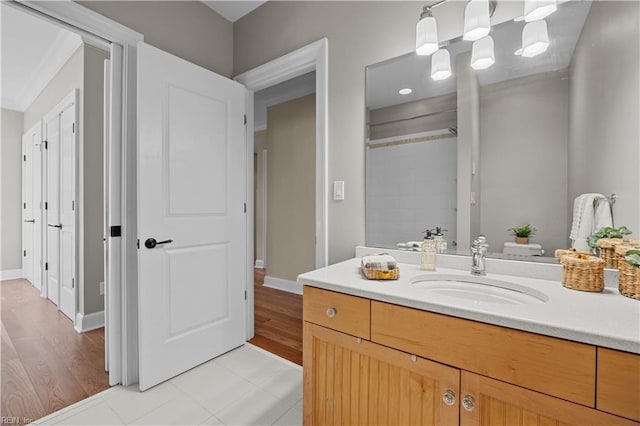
(31, 221)
(151, 242)
(55, 226)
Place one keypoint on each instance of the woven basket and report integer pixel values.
(621, 249)
(380, 274)
(582, 272)
(628, 276)
(607, 248)
(559, 253)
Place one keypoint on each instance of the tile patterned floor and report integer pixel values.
(247, 386)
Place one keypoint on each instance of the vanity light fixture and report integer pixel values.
(426, 33)
(482, 53)
(405, 91)
(534, 10)
(441, 65)
(476, 20)
(535, 39)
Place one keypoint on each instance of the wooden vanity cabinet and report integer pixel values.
(426, 368)
(350, 381)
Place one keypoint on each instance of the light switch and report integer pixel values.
(338, 190)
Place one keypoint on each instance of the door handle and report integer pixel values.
(31, 221)
(54, 226)
(151, 242)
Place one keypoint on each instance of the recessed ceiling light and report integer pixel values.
(405, 91)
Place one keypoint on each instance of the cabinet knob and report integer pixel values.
(449, 397)
(331, 312)
(468, 403)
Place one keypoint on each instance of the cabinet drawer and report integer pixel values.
(349, 314)
(618, 383)
(549, 365)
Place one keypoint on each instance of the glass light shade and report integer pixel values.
(482, 54)
(535, 39)
(535, 10)
(426, 36)
(476, 20)
(441, 65)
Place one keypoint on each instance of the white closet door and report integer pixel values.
(66, 210)
(52, 203)
(28, 221)
(60, 182)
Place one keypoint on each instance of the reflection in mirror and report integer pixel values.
(487, 150)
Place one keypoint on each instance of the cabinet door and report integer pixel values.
(349, 381)
(486, 401)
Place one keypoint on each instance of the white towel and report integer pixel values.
(590, 213)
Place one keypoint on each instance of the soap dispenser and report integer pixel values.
(428, 252)
(441, 243)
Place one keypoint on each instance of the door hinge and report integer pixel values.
(245, 295)
(46, 205)
(46, 266)
(24, 157)
(24, 205)
(138, 243)
(73, 204)
(245, 119)
(73, 283)
(73, 127)
(46, 145)
(25, 253)
(245, 207)
(115, 231)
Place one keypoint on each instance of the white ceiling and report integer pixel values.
(233, 10)
(32, 52)
(565, 25)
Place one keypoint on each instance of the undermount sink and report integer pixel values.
(479, 289)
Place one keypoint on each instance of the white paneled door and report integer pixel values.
(191, 215)
(31, 220)
(60, 205)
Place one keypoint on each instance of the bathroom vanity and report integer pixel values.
(413, 351)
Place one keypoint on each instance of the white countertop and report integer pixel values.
(605, 319)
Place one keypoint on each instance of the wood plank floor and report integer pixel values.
(278, 320)
(46, 365)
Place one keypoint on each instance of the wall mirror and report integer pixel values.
(486, 150)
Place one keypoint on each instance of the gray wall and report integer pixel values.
(523, 173)
(11, 190)
(359, 34)
(291, 186)
(187, 29)
(604, 109)
(68, 78)
(91, 183)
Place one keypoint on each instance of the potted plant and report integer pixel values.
(523, 233)
(607, 232)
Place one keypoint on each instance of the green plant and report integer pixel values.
(607, 232)
(633, 257)
(523, 231)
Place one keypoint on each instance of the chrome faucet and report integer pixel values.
(478, 254)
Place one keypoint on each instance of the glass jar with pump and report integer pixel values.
(441, 243)
(428, 252)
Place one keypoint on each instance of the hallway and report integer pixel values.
(46, 364)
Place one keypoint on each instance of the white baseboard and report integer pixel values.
(10, 274)
(260, 263)
(284, 285)
(89, 322)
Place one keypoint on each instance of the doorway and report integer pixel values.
(52, 311)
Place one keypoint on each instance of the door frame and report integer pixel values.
(312, 57)
(101, 32)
